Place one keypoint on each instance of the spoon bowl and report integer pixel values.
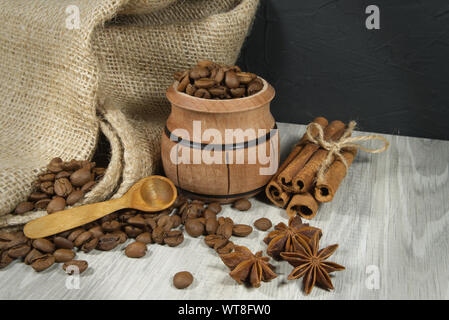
(154, 193)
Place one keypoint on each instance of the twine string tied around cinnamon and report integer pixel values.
(335, 147)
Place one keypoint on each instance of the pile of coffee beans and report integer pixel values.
(165, 228)
(201, 219)
(63, 184)
(210, 80)
(40, 254)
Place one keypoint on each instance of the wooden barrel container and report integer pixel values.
(220, 150)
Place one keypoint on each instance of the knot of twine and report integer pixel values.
(335, 147)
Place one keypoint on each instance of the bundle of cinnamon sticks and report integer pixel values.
(295, 185)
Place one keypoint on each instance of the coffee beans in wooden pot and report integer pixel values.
(210, 80)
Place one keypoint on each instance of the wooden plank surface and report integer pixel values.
(390, 218)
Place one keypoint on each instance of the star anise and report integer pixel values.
(283, 238)
(248, 267)
(310, 263)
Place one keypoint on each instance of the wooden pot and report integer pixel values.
(212, 169)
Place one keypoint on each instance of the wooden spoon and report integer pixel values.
(154, 193)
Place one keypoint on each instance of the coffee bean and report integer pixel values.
(226, 248)
(176, 221)
(199, 72)
(211, 225)
(132, 231)
(209, 214)
(158, 235)
(182, 279)
(63, 243)
(74, 197)
(231, 80)
(192, 211)
(194, 228)
(7, 236)
(5, 259)
(165, 223)
(89, 245)
(254, 86)
(71, 165)
(99, 171)
(241, 230)
(64, 234)
(174, 238)
(161, 214)
(110, 226)
(63, 174)
(56, 204)
(82, 238)
(262, 224)
(43, 262)
(242, 204)
(151, 223)
(144, 238)
(220, 243)
(205, 64)
(36, 196)
(47, 177)
(55, 165)
(24, 207)
(80, 177)
(211, 239)
(219, 91)
(63, 187)
(137, 221)
(75, 266)
(88, 186)
(183, 83)
(246, 77)
(42, 204)
(179, 75)
(44, 245)
(238, 92)
(136, 250)
(108, 242)
(63, 255)
(97, 231)
(202, 93)
(88, 165)
(74, 234)
(215, 207)
(219, 76)
(225, 230)
(204, 83)
(47, 187)
(191, 89)
(122, 237)
(19, 251)
(33, 255)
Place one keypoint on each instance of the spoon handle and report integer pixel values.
(68, 219)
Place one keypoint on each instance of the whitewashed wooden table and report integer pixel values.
(390, 218)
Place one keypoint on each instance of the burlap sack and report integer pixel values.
(60, 86)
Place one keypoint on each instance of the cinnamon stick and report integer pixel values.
(273, 190)
(306, 177)
(326, 189)
(285, 178)
(304, 205)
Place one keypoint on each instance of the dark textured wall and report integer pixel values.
(322, 60)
